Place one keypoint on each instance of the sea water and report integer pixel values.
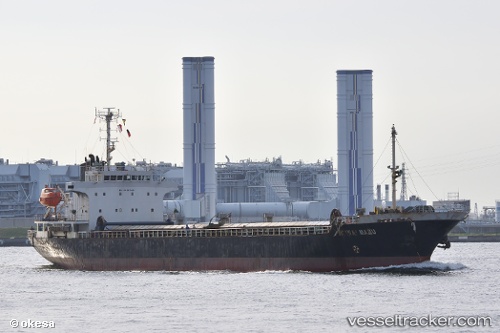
(461, 282)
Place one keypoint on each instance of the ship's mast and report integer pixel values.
(108, 115)
(395, 173)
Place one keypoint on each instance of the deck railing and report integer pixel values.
(209, 233)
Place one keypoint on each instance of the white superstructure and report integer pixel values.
(355, 140)
(200, 186)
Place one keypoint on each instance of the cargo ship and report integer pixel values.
(113, 219)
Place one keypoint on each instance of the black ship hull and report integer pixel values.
(353, 246)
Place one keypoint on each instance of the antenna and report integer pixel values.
(108, 115)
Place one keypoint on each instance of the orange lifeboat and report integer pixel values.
(50, 197)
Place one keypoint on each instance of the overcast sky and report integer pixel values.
(436, 71)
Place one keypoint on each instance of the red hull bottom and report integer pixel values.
(233, 264)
